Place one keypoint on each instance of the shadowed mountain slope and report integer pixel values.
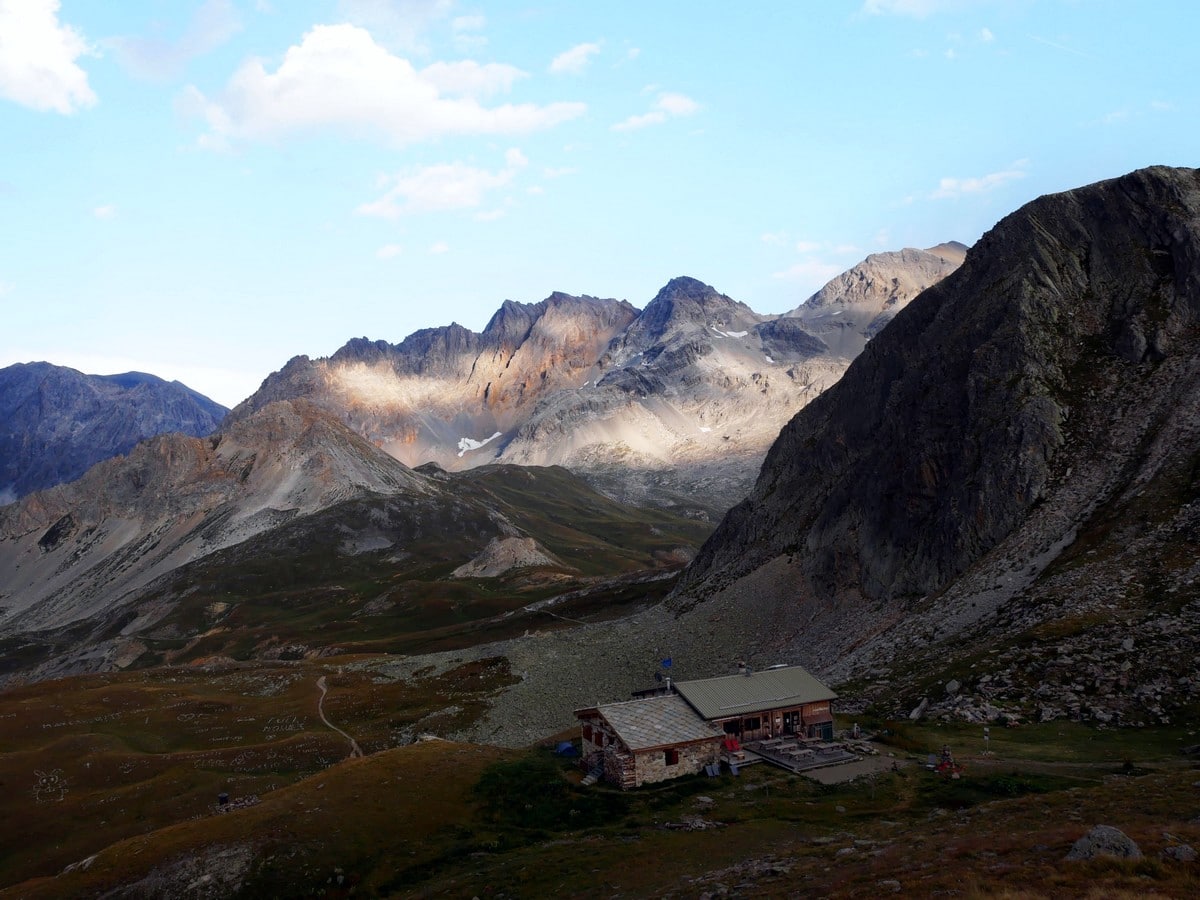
(56, 423)
(1056, 372)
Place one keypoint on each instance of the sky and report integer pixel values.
(203, 189)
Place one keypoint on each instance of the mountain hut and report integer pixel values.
(655, 738)
(652, 739)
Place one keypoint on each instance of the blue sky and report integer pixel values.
(204, 189)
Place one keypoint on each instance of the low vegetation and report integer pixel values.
(318, 583)
(122, 775)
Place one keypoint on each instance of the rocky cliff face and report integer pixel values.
(672, 405)
(56, 423)
(443, 393)
(1045, 391)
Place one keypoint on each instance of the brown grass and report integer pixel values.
(130, 766)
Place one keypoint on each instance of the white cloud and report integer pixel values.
(389, 251)
(953, 188)
(575, 60)
(811, 272)
(773, 238)
(951, 53)
(440, 188)
(468, 78)
(819, 262)
(633, 53)
(677, 105)
(633, 123)
(515, 159)
(667, 106)
(490, 215)
(108, 211)
(535, 190)
(214, 23)
(439, 247)
(1161, 106)
(339, 78)
(559, 172)
(38, 56)
(466, 32)
(883, 237)
(6, 288)
(985, 35)
(916, 9)
(469, 23)
(399, 23)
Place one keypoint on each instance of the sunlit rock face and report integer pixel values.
(674, 404)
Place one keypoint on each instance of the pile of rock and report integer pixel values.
(239, 803)
(1133, 670)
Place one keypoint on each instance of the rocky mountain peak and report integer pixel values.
(684, 305)
(1056, 371)
(510, 324)
(688, 297)
(855, 306)
(362, 349)
(595, 384)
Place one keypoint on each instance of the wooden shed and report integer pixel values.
(647, 740)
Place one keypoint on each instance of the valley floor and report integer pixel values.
(112, 783)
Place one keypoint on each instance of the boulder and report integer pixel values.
(1183, 853)
(1104, 840)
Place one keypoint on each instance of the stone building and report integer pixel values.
(652, 739)
(681, 732)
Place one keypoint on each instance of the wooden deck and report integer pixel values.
(798, 755)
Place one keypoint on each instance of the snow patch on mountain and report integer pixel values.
(465, 444)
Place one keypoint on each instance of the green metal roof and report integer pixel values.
(735, 695)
